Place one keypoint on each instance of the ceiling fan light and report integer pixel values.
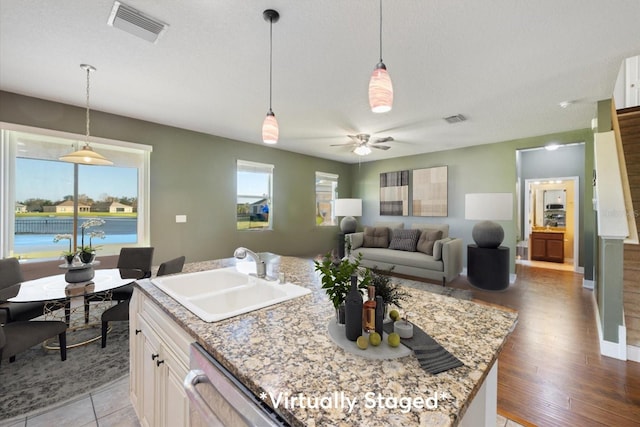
(270, 129)
(380, 90)
(86, 156)
(362, 150)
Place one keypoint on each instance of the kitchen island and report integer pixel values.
(284, 352)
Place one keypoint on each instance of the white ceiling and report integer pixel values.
(504, 64)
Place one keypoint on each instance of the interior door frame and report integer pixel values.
(576, 213)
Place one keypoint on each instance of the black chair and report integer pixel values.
(16, 337)
(134, 263)
(11, 275)
(120, 311)
(171, 267)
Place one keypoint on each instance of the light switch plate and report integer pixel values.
(181, 218)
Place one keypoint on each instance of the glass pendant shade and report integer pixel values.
(362, 150)
(380, 90)
(86, 156)
(270, 129)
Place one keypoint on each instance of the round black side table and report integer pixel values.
(488, 268)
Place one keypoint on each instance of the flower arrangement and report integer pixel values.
(67, 255)
(87, 253)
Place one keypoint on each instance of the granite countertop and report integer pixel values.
(285, 351)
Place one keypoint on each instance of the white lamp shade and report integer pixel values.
(270, 129)
(380, 90)
(86, 156)
(348, 207)
(488, 206)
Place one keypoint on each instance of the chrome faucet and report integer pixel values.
(261, 267)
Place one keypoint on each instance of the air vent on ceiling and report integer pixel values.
(455, 119)
(135, 22)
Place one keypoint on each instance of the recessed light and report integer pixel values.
(565, 104)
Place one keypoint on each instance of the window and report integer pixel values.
(326, 193)
(254, 199)
(39, 189)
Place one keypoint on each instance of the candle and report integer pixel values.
(403, 328)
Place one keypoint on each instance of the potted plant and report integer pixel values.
(336, 279)
(67, 255)
(391, 293)
(88, 253)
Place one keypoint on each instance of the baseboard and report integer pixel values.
(616, 350)
(588, 284)
(633, 353)
(512, 278)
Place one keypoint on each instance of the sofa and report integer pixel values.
(423, 250)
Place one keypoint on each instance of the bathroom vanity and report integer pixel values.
(284, 354)
(547, 245)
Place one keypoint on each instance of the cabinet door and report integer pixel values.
(176, 406)
(135, 357)
(538, 248)
(151, 387)
(555, 250)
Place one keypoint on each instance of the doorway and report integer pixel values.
(551, 211)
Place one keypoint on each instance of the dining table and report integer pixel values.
(64, 301)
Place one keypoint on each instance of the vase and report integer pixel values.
(69, 259)
(87, 257)
(340, 314)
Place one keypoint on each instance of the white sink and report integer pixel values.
(215, 295)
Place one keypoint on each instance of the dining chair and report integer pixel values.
(120, 311)
(10, 275)
(16, 337)
(133, 263)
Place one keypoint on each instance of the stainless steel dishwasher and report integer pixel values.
(217, 398)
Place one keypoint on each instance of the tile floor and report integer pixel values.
(108, 406)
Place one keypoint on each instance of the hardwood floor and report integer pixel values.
(551, 372)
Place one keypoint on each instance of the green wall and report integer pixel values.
(193, 174)
(489, 168)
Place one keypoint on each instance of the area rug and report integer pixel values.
(38, 378)
(436, 289)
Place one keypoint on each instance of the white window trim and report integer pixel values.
(263, 168)
(7, 177)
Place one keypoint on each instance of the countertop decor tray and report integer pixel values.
(383, 351)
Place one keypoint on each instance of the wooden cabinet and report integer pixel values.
(547, 246)
(159, 363)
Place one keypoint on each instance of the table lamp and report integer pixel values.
(348, 208)
(488, 207)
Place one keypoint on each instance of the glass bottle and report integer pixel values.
(353, 311)
(369, 311)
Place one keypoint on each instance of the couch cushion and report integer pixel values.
(437, 247)
(427, 240)
(389, 256)
(404, 240)
(376, 237)
(424, 226)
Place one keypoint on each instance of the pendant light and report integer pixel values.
(270, 124)
(86, 155)
(380, 87)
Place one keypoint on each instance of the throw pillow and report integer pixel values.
(376, 237)
(404, 240)
(437, 248)
(427, 240)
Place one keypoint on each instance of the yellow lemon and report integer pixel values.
(393, 339)
(375, 339)
(362, 342)
(394, 315)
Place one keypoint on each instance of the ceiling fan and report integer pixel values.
(362, 144)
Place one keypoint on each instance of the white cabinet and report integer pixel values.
(159, 351)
